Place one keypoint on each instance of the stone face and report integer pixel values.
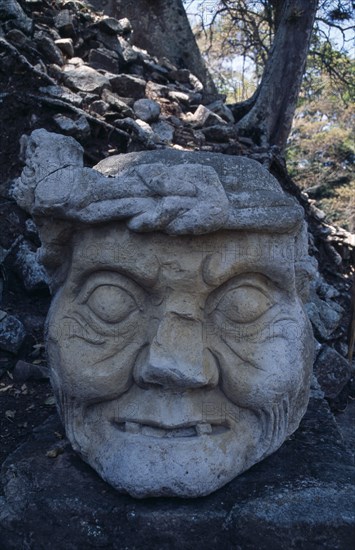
(179, 348)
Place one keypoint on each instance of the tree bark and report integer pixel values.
(269, 121)
(162, 28)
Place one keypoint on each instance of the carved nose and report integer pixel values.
(177, 358)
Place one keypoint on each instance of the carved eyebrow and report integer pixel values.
(80, 274)
(282, 276)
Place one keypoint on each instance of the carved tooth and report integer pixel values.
(203, 429)
(133, 427)
(153, 432)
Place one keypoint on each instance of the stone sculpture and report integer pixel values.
(179, 348)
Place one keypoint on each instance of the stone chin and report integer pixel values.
(183, 465)
(190, 460)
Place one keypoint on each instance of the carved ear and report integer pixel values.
(305, 265)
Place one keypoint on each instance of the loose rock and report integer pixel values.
(85, 79)
(332, 370)
(12, 332)
(146, 109)
(128, 85)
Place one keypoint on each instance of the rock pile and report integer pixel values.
(72, 70)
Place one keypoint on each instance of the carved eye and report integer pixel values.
(111, 303)
(244, 304)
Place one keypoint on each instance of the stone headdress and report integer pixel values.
(174, 192)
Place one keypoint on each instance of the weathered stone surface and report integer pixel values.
(201, 380)
(28, 267)
(128, 85)
(146, 109)
(105, 59)
(219, 132)
(11, 11)
(78, 127)
(117, 104)
(48, 48)
(64, 93)
(113, 26)
(84, 78)
(12, 332)
(332, 370)
(64, 22)
(222, 110)
(25, 371)
(66, 45)
(129, 53)
(300, 497)
(325, 316)
(164, 131)
(204, 117)
(100, 107)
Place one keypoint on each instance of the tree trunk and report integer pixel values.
(269, 121)
(162, 28)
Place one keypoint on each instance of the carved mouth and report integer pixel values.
(196, 430)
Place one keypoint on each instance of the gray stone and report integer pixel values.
(117, 104)
(48, 48)
(129, 53)
(332, 370)
(28, 267)
(66, 45)
(164, 131)
(64, 23)
(31, 229)
(78, 127)
(100, 107)
(146, 109)
(112, 25)
(182, 97)
(110, 42)
(11, 11)
(325, 316)
(17, 37)
(85, 79)
(12, 332)
(300, 497)
(64, 93)
(204, 117)
(219, 132)
(24, 371)
(105, 59)
(221, 109)
(128, 85)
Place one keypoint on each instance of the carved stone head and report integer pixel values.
(179, 348)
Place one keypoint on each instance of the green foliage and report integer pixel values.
(321, 153)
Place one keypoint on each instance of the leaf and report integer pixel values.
(10, 415)
(6, 388)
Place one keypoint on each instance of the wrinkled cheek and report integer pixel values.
(89, 372)
(257, 375)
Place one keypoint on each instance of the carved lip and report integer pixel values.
(186, 431)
